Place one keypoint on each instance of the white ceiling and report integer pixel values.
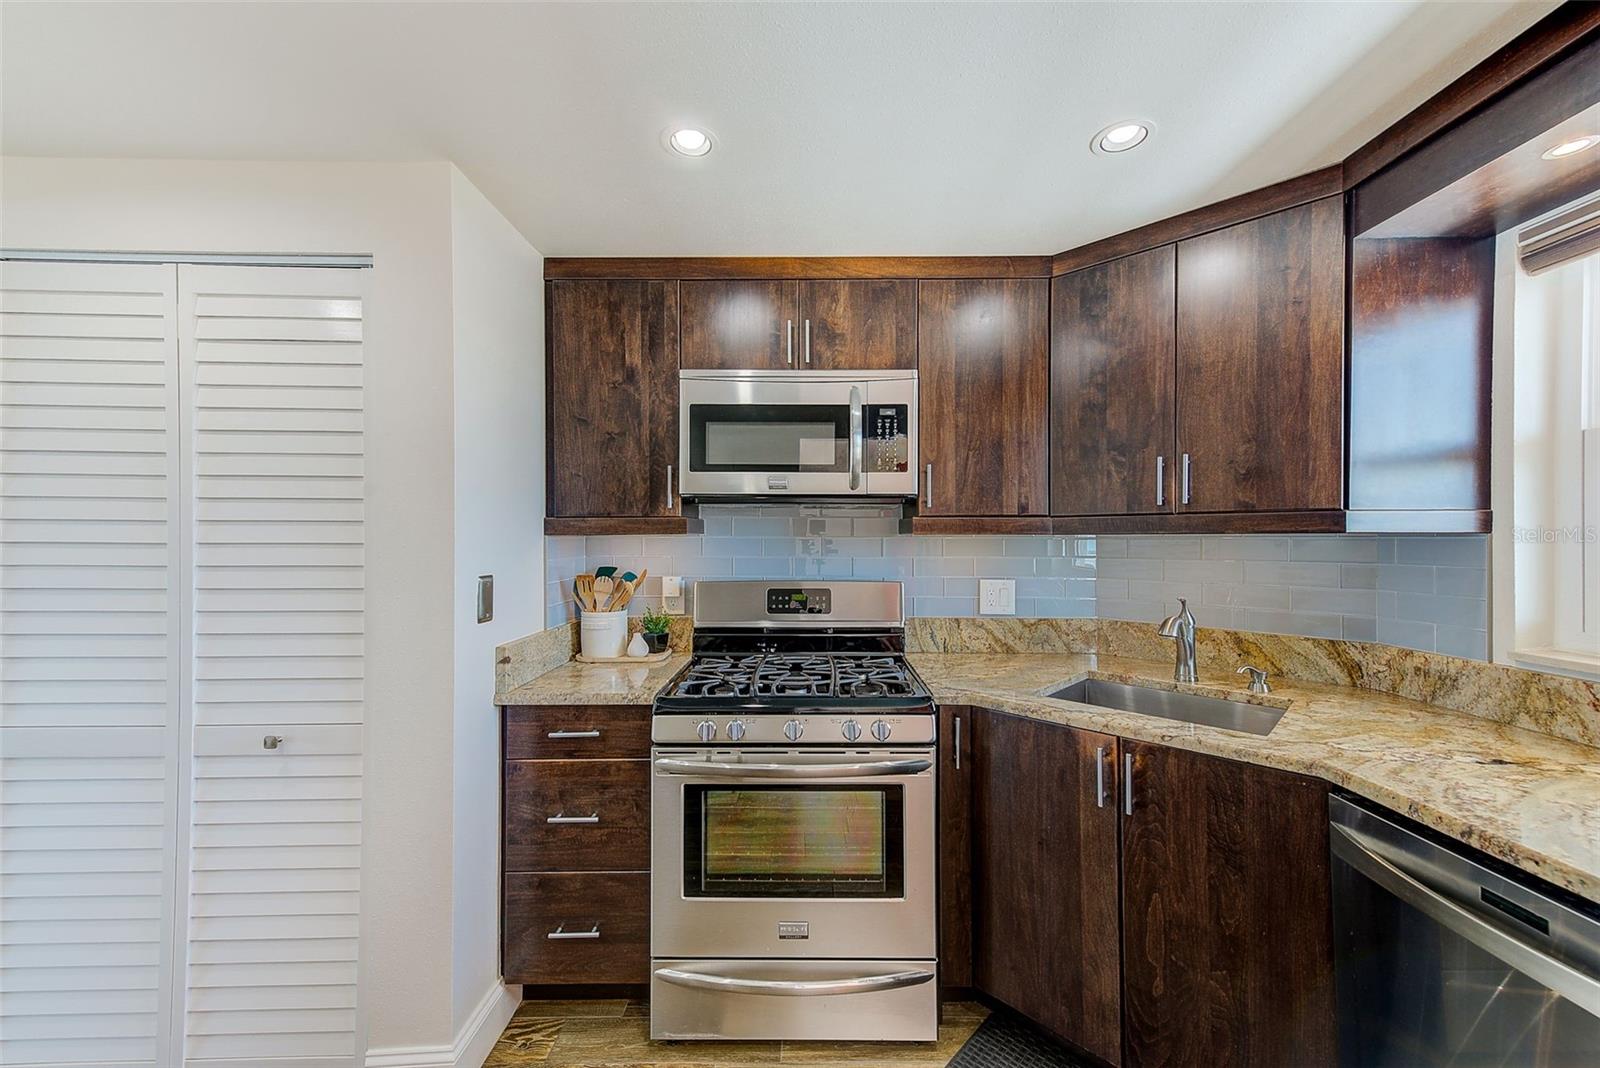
(861, 128)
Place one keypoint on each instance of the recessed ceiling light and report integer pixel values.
(1572, 147)
(688, 141)
(1121, 136)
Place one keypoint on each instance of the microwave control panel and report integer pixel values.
(887, 447)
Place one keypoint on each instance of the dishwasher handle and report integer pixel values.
(1581, 989)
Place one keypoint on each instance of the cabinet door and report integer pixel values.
(983, 355)
(613, 397)
(955, 845)
(1261, 362)
(858, 324)
(1226, 921)
(1045, 864)
(1111, 386)
(741, 324)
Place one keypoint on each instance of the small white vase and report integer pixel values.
(638, 646)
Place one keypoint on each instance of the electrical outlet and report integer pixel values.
(997, 597)
(672, 594)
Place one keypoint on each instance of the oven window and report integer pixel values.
(794, 841)
(769, 437)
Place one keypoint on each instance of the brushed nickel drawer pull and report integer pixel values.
(1100, 777)
(562, 817)
(592, 733)
(1127, 784)
(561, 933)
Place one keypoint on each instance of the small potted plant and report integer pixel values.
(654, 624)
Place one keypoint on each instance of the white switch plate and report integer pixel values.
(997, 597)
(672, 594)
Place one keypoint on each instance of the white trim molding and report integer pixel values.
(472, 1043)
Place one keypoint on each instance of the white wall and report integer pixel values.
(401, 215)
(498, 297)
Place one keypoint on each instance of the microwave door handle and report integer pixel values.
(857, 439)
(1583, 990)
(714, 770)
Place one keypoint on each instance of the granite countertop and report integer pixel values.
(576, 683)
(1529, 799)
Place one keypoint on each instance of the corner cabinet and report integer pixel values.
(1205, 376)
(613, 384)
(984, 382)
(1149, 905)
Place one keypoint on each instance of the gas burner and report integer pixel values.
(819, 676)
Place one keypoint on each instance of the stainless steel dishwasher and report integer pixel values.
(1445, 957)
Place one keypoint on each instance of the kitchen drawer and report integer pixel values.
(615, 793)
(577, 732)
(612, 911)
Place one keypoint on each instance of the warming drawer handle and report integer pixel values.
(1581, 989)
(865, 984)
(713, 769)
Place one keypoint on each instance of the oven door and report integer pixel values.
(797, 433)
(792, 854)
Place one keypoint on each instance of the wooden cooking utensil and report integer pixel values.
(583, 586)
(603, 585)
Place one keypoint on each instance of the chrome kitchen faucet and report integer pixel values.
(1180, 627)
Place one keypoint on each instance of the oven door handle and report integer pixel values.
(865, 984)
(715, 770)
(1581, 989)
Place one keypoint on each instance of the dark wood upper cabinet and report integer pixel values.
(1112, 446)
(858, 324)
(613, 383)
(741, 324)
(1045, 937)
(1260, 358)
(983, 377)
(1226, 918)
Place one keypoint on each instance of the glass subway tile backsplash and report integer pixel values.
(1420, 591)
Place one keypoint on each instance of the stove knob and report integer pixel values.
(852, 730)
(706, 730)
(735, 730)
(880, 730)
(793, 730)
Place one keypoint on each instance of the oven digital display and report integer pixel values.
(799, 602)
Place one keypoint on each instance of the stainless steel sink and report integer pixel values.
(1187, 707)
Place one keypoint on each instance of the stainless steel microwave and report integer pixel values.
(797, 433)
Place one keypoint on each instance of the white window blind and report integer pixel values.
(89, 661)
(181, 562)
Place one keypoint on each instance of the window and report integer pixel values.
(1553, 492)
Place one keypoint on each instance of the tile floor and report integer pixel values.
(616, 1034)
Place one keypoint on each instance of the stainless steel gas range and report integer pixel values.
(792, 822)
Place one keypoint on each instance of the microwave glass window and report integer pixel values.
(774, 446)
(793, 841)
(769, 437)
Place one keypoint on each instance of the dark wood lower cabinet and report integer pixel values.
(615, 794)
(1045, 870)
(955, 846)
(616, 905)
(1226, 925)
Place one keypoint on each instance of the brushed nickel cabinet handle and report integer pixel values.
(561, 933)
(788, 341)
(591, 733)
(1161, 481)
(1184, 496)
(927, 500)
(1127, 784)
(669, 487)
(808, 341)
(562, 817)
(958, 742)
(1100, 777)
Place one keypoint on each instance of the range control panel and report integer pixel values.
(887, 445)
(788, 601)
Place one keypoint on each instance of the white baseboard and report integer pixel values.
(472, 1044)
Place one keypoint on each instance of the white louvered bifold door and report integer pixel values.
(272, 371)
(90, 624)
